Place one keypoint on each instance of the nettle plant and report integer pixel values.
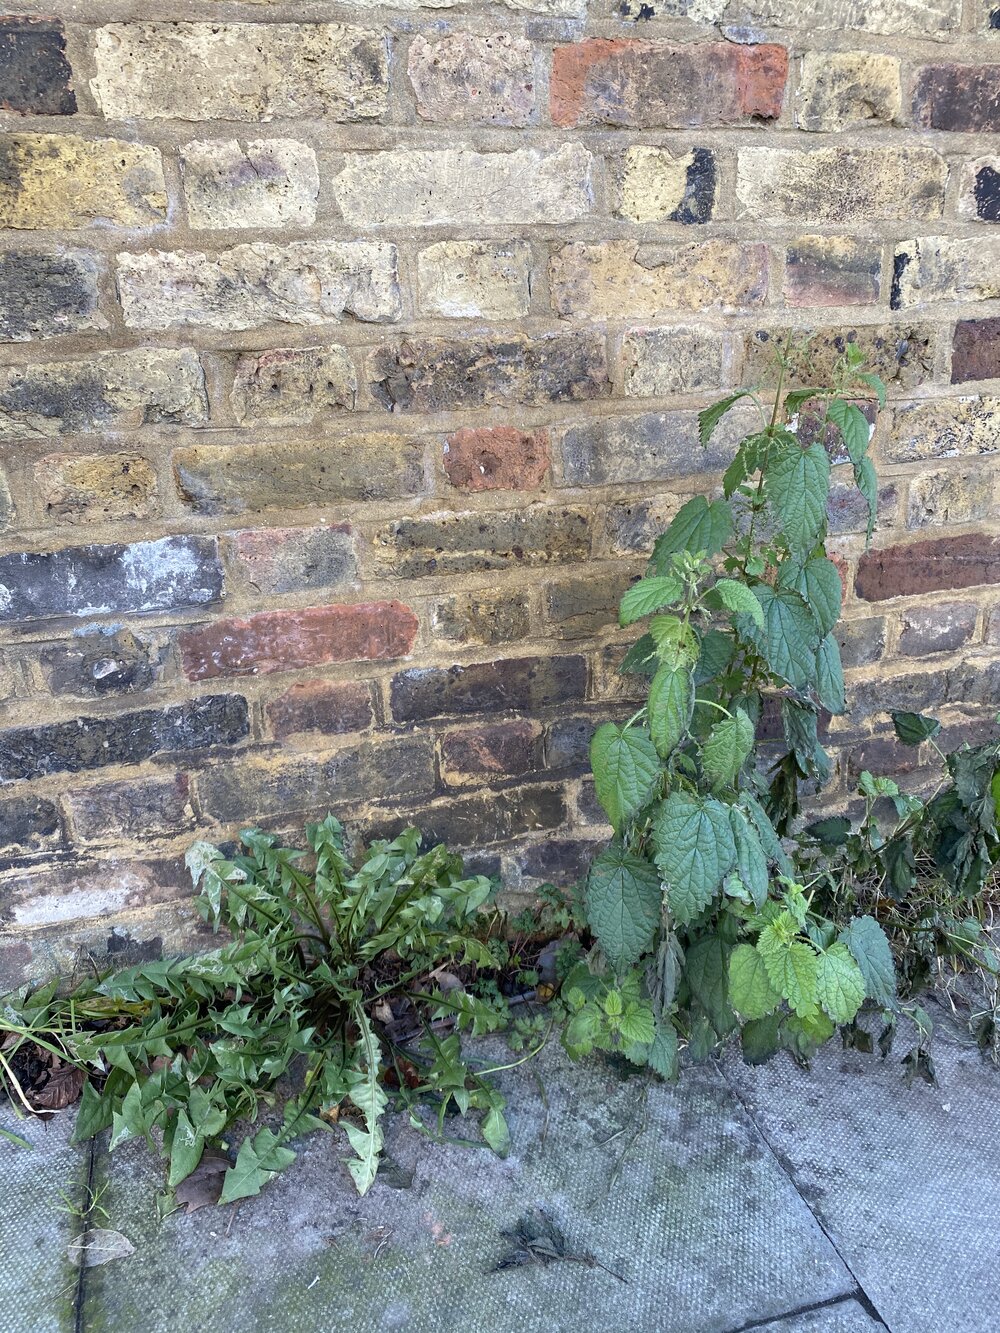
(702, 923)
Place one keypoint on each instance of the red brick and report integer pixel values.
(645, 84)
(332, 707)
(497, 458)
(975, 351)
(289, 640)
(962, 98)
(506, 750)
(950, 562)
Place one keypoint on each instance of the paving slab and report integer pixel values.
(904, 1181)
(38, 1283)
(672, 1189)
(843, 1317)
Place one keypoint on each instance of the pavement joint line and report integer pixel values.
(85, 1223)
(856, 1297)
(860, 1294)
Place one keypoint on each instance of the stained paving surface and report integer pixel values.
(830, 1201)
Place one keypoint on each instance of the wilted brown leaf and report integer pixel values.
(99, 1246)
(203, 1186)
(59, 1089)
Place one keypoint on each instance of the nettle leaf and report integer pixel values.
(866, 480)
(798, 486)
(738, 598)
(819, 583)
(715, 655)
(790, 637)
(623, 897)
(695, 851)
(797, 399)
(830, 676)
(792, 967)
(662, 1054)
(875, 384)
(671, 702)
(697, 526)
(751, 862)
(638, 1025)
(711, 416)
(647, 596)
(773, 850)
(840, 985)
(726, 748)
(915, 728)
(706, 967)
(626, 770)
(853, 426)
(641, 658)
(760, 1039)
(869, 948)
(676, 642)
(750, 992)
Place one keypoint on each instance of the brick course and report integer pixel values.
(351, 363)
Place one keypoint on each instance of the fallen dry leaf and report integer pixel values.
(99, 1246)
(60, 1089)
(203, 1186)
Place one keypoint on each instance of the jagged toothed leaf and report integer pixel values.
(750, 991)
(760, 1039)
(662, 1054)
(840, 984)
(638, 1025)
(751, 862)
(851, 422)
(790, 636)
(641, 658)
(623, 898)
(773, 850)
(715, 655)
(792, 966)
(726, 748)
(819, 583)
(676, 642)
(671, 700)
(697, 526)
(367, 1095)
(749, 457)
(647, 596)
(875, 384)
(710, 417)
(866, 480)
(797, 486)
(830, 676)
(737, 597)
(915, 728)
(870, 949)
(695, 851)
(626, 770)
(706, 968)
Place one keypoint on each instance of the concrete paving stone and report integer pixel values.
(844, 1317)
(37, 1281)
(699, 1219)
(904, 1181)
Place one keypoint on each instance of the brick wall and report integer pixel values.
(352, 352)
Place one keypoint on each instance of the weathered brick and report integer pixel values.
(610, 684)
(656, 185)
(302, 282)
(326, 706)
(269, 183)
(950, 495)
(509, 685)
(287, 640)
(447, 375)
(928, 566)
(475, 279)
(634, 526)
(466, 76)
(140, 809)
(979, 192)
(488, 617)
(95, 488)
(293, 386)
(497, 458)
(123, 738)
(578, 607)
(411, 187)
(551, 8)
(567, 742)
(482, 819)
(862, 642)
(908, 18)
(72, 893)
(883, 756)
(832, 270)
(901, 354)
(273, 561)
(61, 180)
(99, 661)
(660, 362)
(847, 508)
(438, 544)
(652, 447)
(251, 478)
(842, 90)
(964, 98)
(609, 278)
(646, 84)
(7, 510)
(107, 391)
(45, 295)
(166, 574)
(240, 71)
(267, 785)
(560, 861)
(28, 824)
(943, 428)
(975, 352)
(35, 76)
(491, 753)
(945, 268)
(840, 184)
(937, 629)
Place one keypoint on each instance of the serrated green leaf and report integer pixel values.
(747, 461)
(638, 1024)
(792, 966)
(866, 480)
(798, 486)
(695, 851)
(870, 949)
(773, 850)
(819, 584)
(671, 701)
(662, 1054)
(750, 992)
(623, 898)
(737, 597)
(647, 596)
(790, 636)
(797, 399)
(853, 427)
(840, 985)
(697, 526)
(751, 862)
(726, 748)
(830, 676)
(715, 655)
(761, 1039)
(640, 659)
(875, 384)
(626, 770)
(711, 416)
(706, 968)
(915, 728)
(676, 642)
(809, 1029)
